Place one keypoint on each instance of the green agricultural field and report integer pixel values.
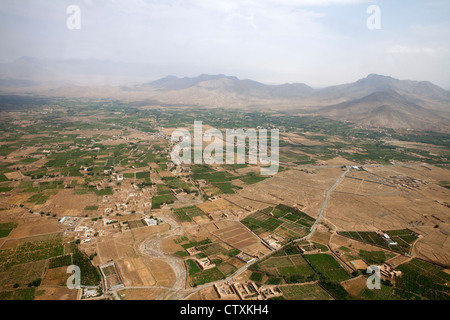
(260, 223)
(404, 238)
(224, 187)
(187, 213)
(22, 274)
(103, 192)
(181, 253)
(157, 201)
(24, 294)
(192, 267)
(252, 178)
(163, 189)
(323, 248)
(207, 276)
(327, 266)
(384, 293)
(257, 277)
(196, 243)
(39, 198)
(373, 257)
(304, 292)
(30, 252)
(232, 253)
(293, 215)
(6, 228)
(422, 280)
(212, 249)
(90, 275)
(293, 268)
(61, 261)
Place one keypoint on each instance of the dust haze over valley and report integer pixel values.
(91, 92)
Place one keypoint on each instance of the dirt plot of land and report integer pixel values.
(135, 272)
(144, 271)
(291, 188)
(67, 200)
(435, 245)
(354, 212)
(142, 294)
(169, 246)
(141, 234)
(17, 199)
(56, 277)
(35, 226)
(115, 247)
(14, 175)
(216, 205)
(321, 235)
(359, 264)
(363, 183)
(355, 286)
(207, 294)
(338, 161)
(384, 203)
(235, 235)
(55, 293)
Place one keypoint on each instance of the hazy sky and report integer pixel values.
(318, 42)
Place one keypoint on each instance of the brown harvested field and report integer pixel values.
(13, 175)
(36, 226)
(435, 245)
(144, 271)
(398, 260)
(65, 201)
(359, 264)
(56, 293)
(219, 204)
(115, 247)
(169, 246)
(364, 183)
(209, 293)
(143, 294)
(11, 243)
(17, 199)
(379, 200)
(355, 286)
(321, 236)
(135, 272)
(236, 235)
(164, 174)
(56, 277)
(353, 212)
(142, 234)
(201, 219)
(338, 161)
(291, 187)
(161, 271)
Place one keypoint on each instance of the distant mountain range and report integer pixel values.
(234, 85)
(375, 101)
(386, 109)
